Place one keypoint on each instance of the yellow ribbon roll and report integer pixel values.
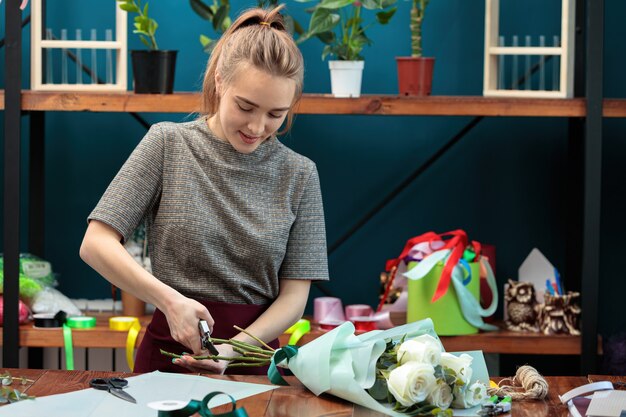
(299, 329)
(132, 325)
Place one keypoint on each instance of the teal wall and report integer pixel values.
(504, 183)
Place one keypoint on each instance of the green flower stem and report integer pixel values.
(254, 354)
(255, 338)
(245, 365)
(246, 346)
(224, 358)
(17, 378)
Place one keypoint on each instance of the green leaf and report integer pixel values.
(130, 8)
(220, 15)
(205, 40)
(145, 10)
(334, 4)
(207, 44)
(326, 37)
(201, 9)
(145, 41)
(326, 51)
(322, 20)
(371, 4)
(385, 16)
(297, 27)
(152, 27)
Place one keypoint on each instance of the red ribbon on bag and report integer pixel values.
(455, 240)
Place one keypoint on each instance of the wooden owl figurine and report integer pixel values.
(521, 307)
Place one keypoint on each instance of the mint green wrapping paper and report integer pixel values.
(343, 364)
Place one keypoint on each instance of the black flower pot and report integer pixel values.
(153, 71)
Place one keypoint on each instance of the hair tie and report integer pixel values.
(264, 23)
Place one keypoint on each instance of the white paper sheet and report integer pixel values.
(146, 388)
(607, 404)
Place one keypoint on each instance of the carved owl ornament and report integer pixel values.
(521, 306)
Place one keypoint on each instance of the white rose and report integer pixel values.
(424, 349)
(411, 383)
(478, 393)
(466, 397)
(441, 396)
(461, 365)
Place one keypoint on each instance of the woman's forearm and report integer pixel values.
(101, 249)
(281, 314)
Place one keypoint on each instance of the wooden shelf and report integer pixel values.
(502, 341)
(188, 102)
(98, 337)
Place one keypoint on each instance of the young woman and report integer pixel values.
(235, 219)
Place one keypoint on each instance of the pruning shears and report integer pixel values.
(205, 336)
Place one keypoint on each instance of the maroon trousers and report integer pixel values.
(149, 357)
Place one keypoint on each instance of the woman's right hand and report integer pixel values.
(182, 316)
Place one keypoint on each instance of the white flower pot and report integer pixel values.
(345, 78)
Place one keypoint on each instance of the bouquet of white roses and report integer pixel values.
(399, 371)
(418, 378)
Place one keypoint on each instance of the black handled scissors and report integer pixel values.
(205, 335)
(115, 386)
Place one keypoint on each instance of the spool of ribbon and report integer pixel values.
(78, 322)
(132, 325)
(175, 408)
(299, 329)
(48, 320)
(81, 322)
(383, 320)
(330, 324)
(364, 324)
(358, 310)
(328, 309)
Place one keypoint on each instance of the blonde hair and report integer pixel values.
(258, 37)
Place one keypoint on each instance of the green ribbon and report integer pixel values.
(299, 329)
(69, 347)
(280, 355)
(82, 322)
(202, 408)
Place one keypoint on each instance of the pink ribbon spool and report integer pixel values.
(358, 310)
(383, 320)
(328, 309)
(364, 324)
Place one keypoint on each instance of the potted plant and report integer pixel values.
(415, 73)
(340, 26)
(218, 14)
(153, 69)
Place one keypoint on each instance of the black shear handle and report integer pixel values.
(108, 383)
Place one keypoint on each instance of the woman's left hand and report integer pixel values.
(204, 365)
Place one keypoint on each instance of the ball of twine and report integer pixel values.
(527, 384)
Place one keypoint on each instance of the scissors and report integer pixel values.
(114, 386)
(205, 335)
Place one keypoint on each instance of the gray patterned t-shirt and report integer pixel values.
(222, 225)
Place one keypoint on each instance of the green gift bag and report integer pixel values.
(456, 310)
(446, 313)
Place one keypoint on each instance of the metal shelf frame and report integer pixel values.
(584, 150)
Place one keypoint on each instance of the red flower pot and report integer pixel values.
(415, 75)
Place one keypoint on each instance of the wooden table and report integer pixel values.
(294, 400)
(502, 341)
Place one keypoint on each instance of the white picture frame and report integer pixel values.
(39, 44)
(564, 52)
